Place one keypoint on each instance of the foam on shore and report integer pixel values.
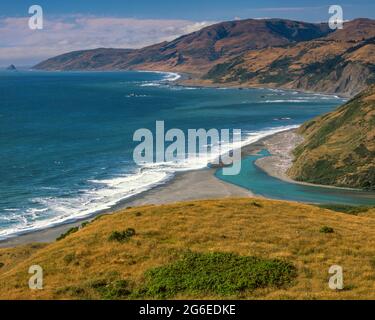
(106, 193)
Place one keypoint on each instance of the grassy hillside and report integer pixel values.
(196, 52)
(262, 52)
(342, 62)
(235, 248)
(339, 147)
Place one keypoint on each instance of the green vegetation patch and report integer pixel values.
(111, 290)
(345, 208)
(222, 69)
(216, 273)
(218, 71)
(121, 236)
(70, 257)
(109, 287)
(256, 204)
(72, 230)
(65, 234)
(326, 229)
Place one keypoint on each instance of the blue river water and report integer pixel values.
(253, 178)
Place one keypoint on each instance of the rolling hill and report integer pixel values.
(196, 52)
(268, 53)
(342, 62)
(339, 147)
(217, 249)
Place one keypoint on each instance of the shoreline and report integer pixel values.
(184, 186)
(194, 80)
(281, 146)
(212, 190)
(187, 79)
(197, 184)
(215, 188)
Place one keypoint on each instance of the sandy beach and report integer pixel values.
(191, 185)
(280, 146)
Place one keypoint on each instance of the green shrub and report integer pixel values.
(84, 224)
(216, 273)
(1, 264)
(65, 234)
(111, 290)
(256, 204)
(70, 257)
(326, 229)
(73, 291)
(121, 236)
(72, 230)
(345, 208)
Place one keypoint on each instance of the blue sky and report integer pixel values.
(307, 10)
(84, 24)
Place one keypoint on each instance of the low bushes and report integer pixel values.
(216, 273)
(121, 236)
(72, 230)
(326, 229)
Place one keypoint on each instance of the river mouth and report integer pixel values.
(260, 183)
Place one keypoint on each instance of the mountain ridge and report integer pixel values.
(276, 53)
(340, 63)
(195, 52)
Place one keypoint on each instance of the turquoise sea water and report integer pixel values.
(66, 137)
(256, 180)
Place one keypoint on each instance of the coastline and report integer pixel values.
(198, 184)
(185, 186)
(189, 185)
(281, 146)
(201, 184)
(194, 80)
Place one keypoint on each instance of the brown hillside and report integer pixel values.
(342, 62)
(339, 147)
(195, 52)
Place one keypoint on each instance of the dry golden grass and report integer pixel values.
(301, 54)
(365, 54)
(268, 229)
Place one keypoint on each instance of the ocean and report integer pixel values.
(66, 138)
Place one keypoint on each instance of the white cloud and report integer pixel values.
(20, 45)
